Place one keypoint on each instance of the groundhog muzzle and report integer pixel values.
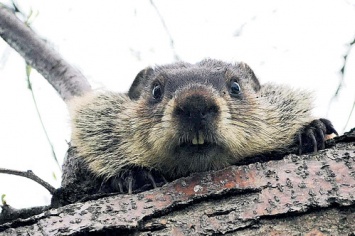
(182, 118)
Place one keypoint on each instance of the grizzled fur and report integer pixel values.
(183, 118)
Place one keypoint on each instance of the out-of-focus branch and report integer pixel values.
(176, 56)
(342, 73)
(342, 70)
(341, 82)
(67, 80)
(29, 84)
(30, 175)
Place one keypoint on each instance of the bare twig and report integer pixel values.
(342, 70)
(341, 82)
(176, 56)
(29, 19)
(28, 73)
(30, 175)
(67, 80)
(351, 112)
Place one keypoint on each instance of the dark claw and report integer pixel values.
(130, 182)
(164, 180)
(322, 137)
(117, 184)
(329, 126)
(151, 178)
(300, 145)
(120, 186)
(134, 180)
(312, 136)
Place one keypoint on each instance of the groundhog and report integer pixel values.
(182, 118)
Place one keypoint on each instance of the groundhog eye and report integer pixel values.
(157, 91)
(235, 88)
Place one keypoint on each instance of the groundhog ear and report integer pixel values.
(250, 75)
(139, 83)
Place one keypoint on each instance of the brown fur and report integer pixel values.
(113, 132)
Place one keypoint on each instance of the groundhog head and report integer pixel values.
(193, 117)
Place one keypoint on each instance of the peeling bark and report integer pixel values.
(310, 194)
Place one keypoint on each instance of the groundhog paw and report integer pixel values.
(313, 136)
(136, 180)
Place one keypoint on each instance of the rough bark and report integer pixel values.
(66, 79)
(309, 194)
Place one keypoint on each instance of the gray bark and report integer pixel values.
(66, 79)
(309, 194)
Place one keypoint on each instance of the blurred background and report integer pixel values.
(306, 44)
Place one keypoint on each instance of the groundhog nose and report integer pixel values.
(196, 109)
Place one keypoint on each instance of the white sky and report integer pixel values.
(301, 43)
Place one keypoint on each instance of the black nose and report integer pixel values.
(196, 110)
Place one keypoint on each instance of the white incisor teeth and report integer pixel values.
(201, 138)
(194, 141)
(198, 140)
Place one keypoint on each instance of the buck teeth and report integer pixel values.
(198, 140)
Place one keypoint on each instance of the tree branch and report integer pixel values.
(66, 80)
(341, 83)
(176, 56)
(30, 175)
(28, 74)
(234, 200)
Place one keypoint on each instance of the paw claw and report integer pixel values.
(329, 126)
(130, 182)
(134, 180)
(322, 139)
(312, 137)
(151, 178)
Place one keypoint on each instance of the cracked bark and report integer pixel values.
(309, 194)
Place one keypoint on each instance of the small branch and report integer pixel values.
(176, 56)
(30, 175)
(66, 80)
(342, 72)
(348, 120)
(28, 22)
(28, 73)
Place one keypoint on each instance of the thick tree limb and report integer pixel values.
(236, 199)
(66, 80)
(239, 199)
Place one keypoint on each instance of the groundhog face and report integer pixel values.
(194, 114)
